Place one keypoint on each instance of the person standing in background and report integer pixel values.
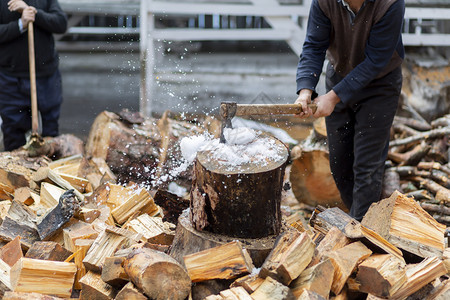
(15, 98)
(363, 42)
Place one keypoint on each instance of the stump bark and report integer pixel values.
(240, 201)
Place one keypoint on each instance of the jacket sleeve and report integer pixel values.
(9, 32)
(314, 49)
(53, 20)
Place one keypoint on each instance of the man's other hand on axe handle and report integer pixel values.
(325, 103)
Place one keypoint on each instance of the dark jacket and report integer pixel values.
(14, 45)
(360, 48)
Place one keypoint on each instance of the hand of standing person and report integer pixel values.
(304, 98)
(17, 5)
(325, 104)
(28, 15)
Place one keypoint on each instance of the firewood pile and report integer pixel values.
(90, 226)
(419, 163)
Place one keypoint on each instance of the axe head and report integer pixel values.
(227, 112)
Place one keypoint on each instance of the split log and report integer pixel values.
(78, 230)
(158, 275)
(93, 287)
(80, 184)
(345, 260)
(441, 292)
(317, 279)
(108, 242)
(12, 179)
(290, 256)
(333, 240)
(401, 221)
(240, 201)
(249, 282)
(381, 275)
(223, 262)
(334, 217)
(81, 248)
(130, 292)
(6, 193)
(153, 229)
(110, 194)
(27, 274)
(48, 198)
(188, 240)
(11, 252)
(28, 296)
(10, 229)
(97, 171)
(237, 293)
(113, 272)
(104, 218)
(48, 175)
(141, 202)
(23, 195)
(4, 208)
(446, 259)
(59, 215)
(69, 165)
(272, 289)
(5, 278)
(20, 212)
(48, 251)
(417, 276)
(87, 214)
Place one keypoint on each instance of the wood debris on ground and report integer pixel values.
(84, 226)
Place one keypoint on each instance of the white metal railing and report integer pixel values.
(283, 20)
(287, 22)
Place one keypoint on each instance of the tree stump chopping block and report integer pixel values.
(239, 200)
(188, 240)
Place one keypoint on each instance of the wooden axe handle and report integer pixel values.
(271, 109)
(34, 105)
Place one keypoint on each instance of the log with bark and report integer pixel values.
(157, 274)
(238, 200)
(139, 150)
(310, 174)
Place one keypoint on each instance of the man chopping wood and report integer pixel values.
(15, 97)
(363, 43)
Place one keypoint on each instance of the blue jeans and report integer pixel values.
(15, 107)
(358, 138)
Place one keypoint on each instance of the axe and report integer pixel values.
(230, 109)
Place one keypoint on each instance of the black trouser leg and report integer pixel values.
(358, 138)
(340, 134)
